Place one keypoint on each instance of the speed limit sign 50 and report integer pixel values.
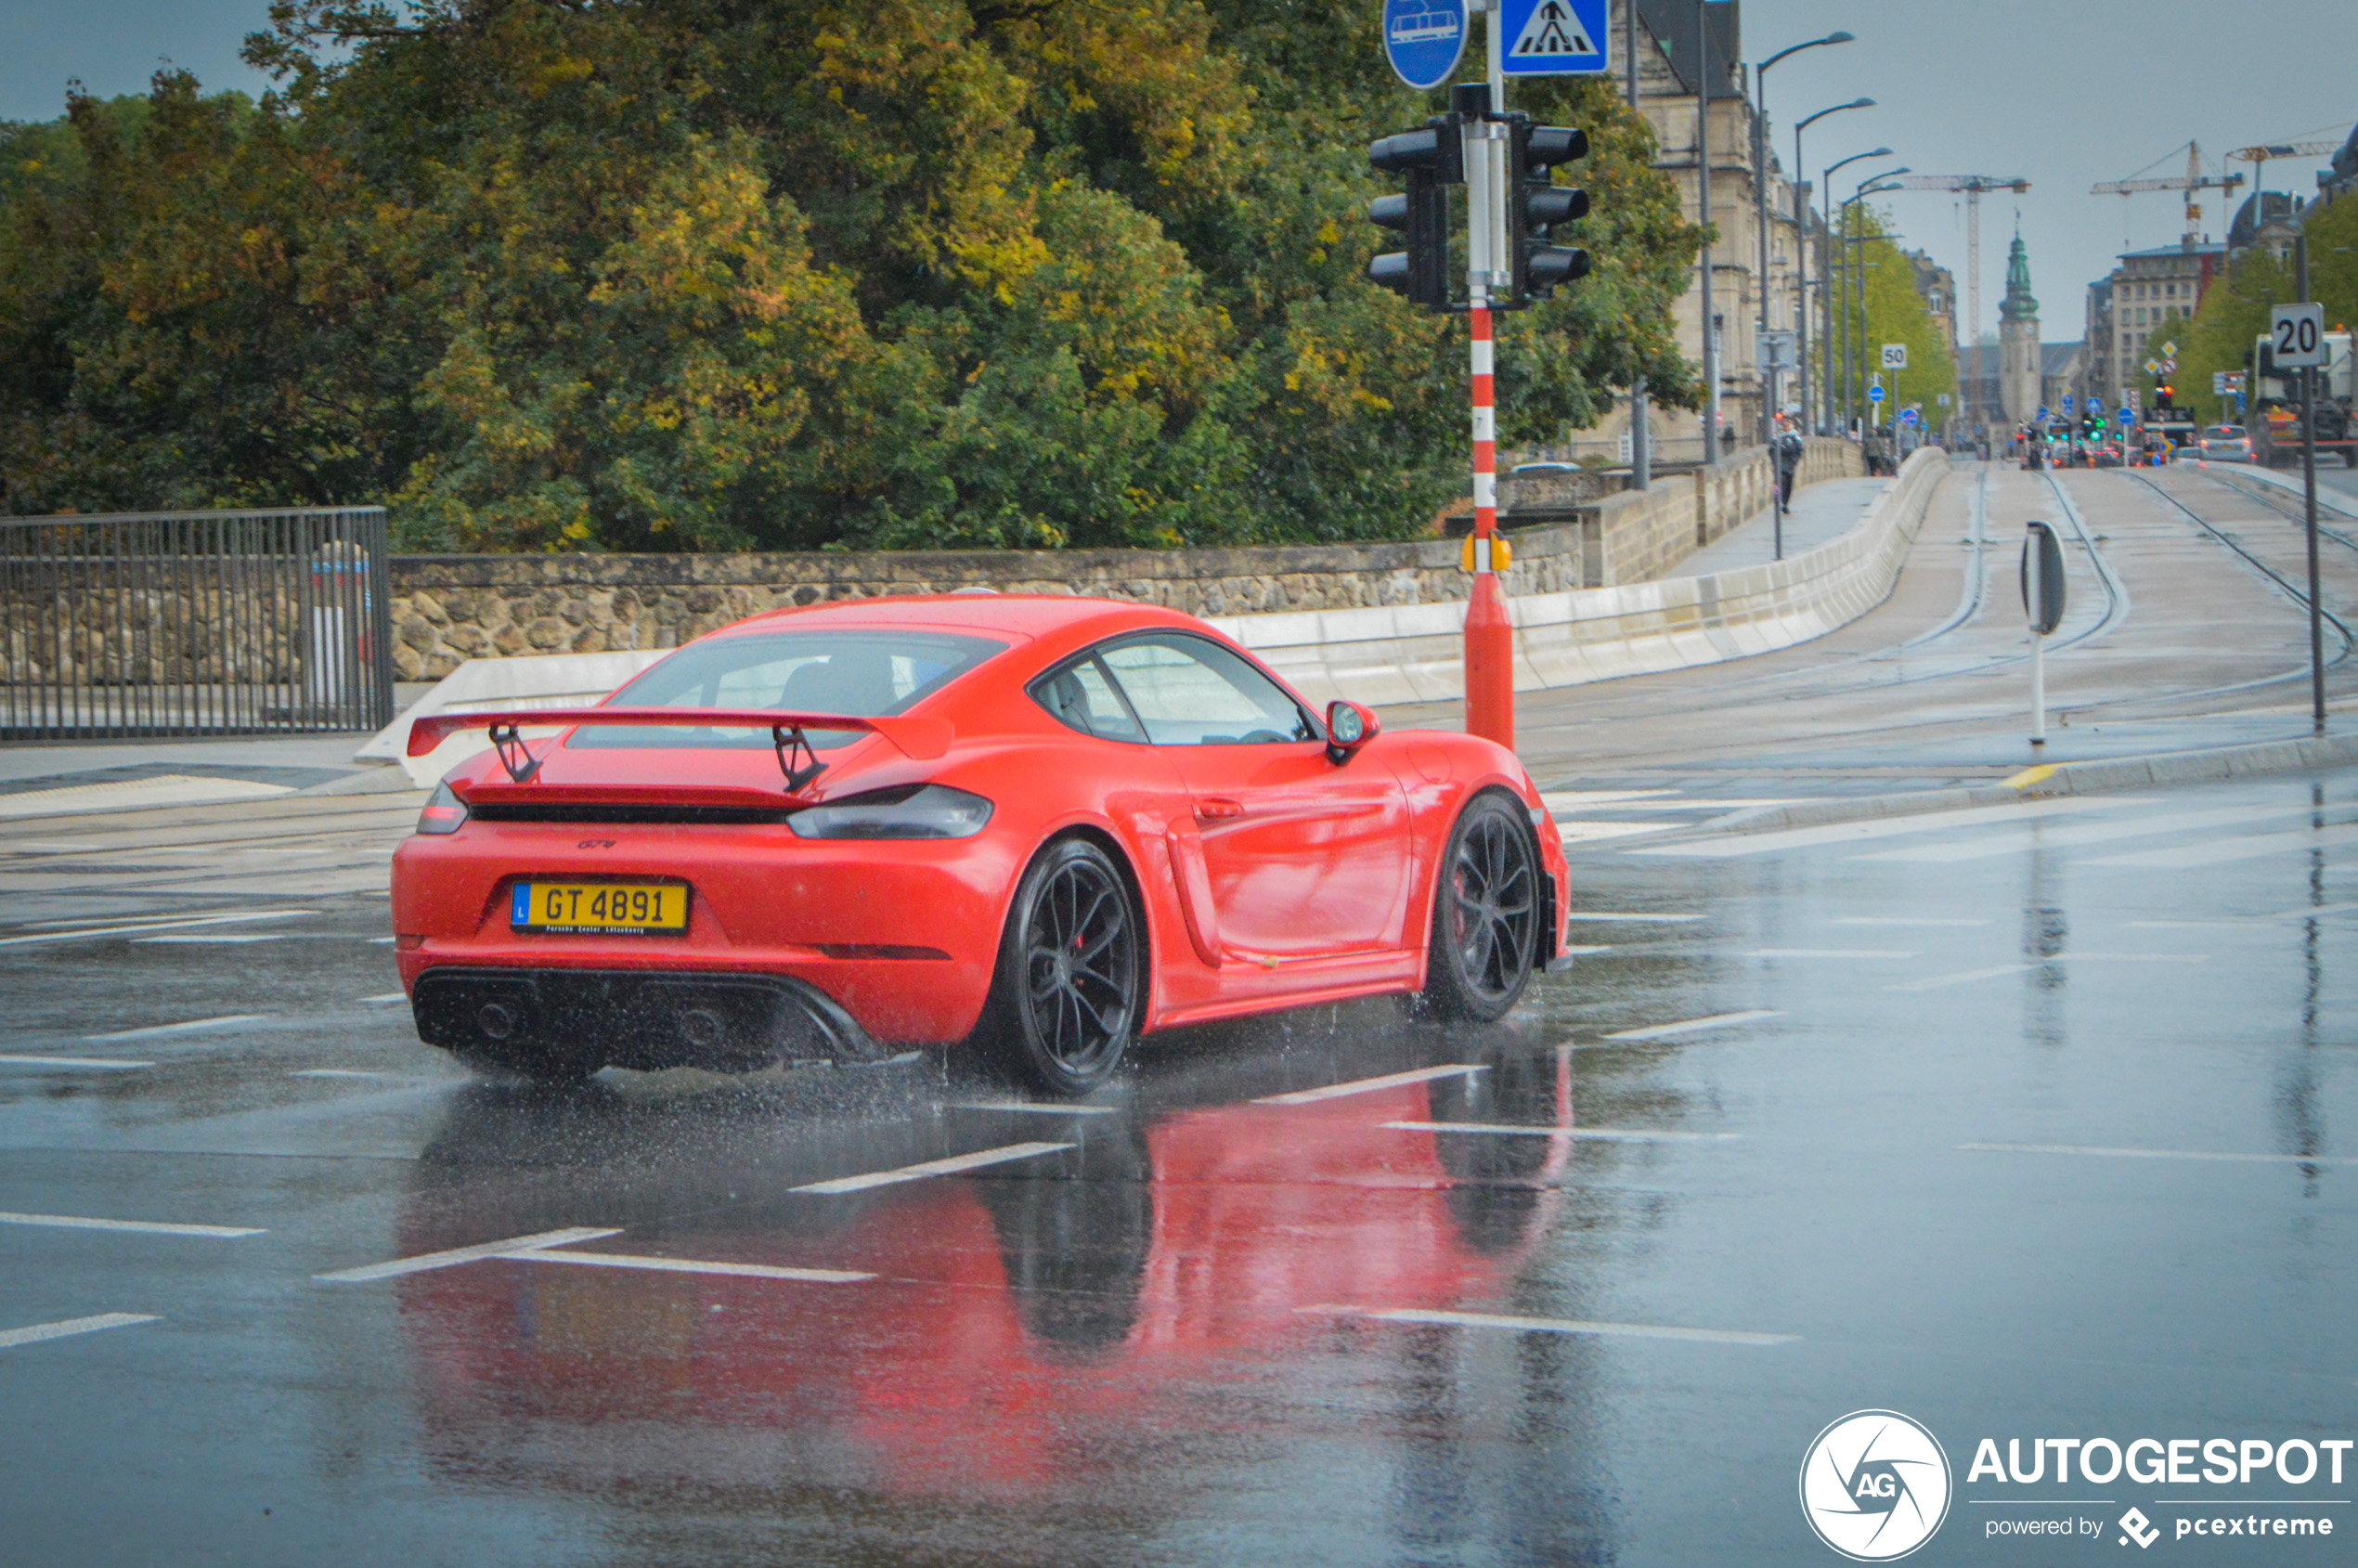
(2297, 334)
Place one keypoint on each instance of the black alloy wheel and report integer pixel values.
(1069, 974)
(1485, 917)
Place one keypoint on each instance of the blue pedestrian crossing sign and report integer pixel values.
(1423, 39)
(1555, 37)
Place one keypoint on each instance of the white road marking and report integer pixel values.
(2163, 1154)
(1028, 1108)
(1964, 977)
(383, 942)
(192, 1026)
(149, 1227)
(209, 941)
(692, 1265)
(34, 1334)
(1704, 804)
(386, 996)
(2225, 849)
(1663, 919)
(1990, 845)
(1937, 981)
(1589, 831)
(1574, 952)
(455, 1255)
(339, 1072)
(1580, 799)
(1897, 920)
(1369, 1085)
(1827, 953)
(189, 922)
(949, 1167)
(1603, 1135)
(103, 1064)
(1884, 827)
(1695, 1026)
(1554, 1325)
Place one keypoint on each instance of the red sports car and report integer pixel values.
(1042, 824)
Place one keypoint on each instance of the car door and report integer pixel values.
(1304, 859)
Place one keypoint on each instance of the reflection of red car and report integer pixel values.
(1050, 823)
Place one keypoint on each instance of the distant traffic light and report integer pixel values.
(1432, 159)
(1536, 205)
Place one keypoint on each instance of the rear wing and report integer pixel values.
(920, 739)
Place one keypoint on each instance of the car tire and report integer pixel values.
(1070, 984)
(1486, 909)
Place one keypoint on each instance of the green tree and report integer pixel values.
(703, 274)
(1892, 311)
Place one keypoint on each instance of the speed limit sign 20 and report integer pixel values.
(2297, 334)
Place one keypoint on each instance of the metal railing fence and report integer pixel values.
(136, 625)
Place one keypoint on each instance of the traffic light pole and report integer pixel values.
(1489, 652)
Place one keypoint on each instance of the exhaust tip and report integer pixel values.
(497, 1020)
(702, 1027)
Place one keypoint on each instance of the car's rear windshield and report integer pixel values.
(860, 674)
(2224, 432)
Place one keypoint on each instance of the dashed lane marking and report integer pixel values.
(1521, 1325)
(1898, 920)
(1602, 1135)
(2163, 1154)
(1965, 976)
(1989, 845)
(1733, 844)
(208, 941)
(692, 1265)
(96, 1063)
(194, 1026)
(456, 1255)
(1578, 914)
(949, 1167)
(1369, 1085)
(384, 997)
(67, 1328)
(1026, 1108)
(1696, 1026)
(145, 1227)
(2225, 849)
(143, 927)
(1588, 832)
(1827, 953)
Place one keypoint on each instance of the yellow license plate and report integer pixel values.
(630, 909)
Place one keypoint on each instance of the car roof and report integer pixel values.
(1022, 614)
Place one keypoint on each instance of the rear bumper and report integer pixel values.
(583, 1020)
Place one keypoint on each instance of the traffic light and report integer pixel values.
(1536, 205)
(1432, 159)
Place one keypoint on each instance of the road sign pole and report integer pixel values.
(1489, 650)
(2309, 499)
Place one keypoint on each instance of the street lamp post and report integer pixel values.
(1826, 370)
(1801, 250)
(1760, 194)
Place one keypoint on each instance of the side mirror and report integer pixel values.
(1348, 727)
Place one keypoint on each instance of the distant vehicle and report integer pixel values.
(2276, 424)
(1546, 467)
(2224, 443)
(1040, 826)
(2107, 454)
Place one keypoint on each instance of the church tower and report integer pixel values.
(2019, 362)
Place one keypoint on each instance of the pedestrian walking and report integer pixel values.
(1787, 449)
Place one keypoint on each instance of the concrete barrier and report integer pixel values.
(1411, 652)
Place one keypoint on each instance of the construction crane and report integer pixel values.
(2258, 157)
(1972, 185)
(2194, 181)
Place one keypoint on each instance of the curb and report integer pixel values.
(2210, 765)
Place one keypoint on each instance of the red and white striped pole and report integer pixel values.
(1490, 682)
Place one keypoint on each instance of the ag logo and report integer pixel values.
(1874, 1485)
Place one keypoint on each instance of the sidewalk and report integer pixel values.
(1820, 513)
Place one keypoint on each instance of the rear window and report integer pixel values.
(2223, 432)
(859, 674)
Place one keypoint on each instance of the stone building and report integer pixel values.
(2147, 289)
(2018, 360)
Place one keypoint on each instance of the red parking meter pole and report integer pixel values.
(1490, 682)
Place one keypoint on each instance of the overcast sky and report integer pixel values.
(2062, 94)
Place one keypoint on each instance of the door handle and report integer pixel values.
(1216, 807)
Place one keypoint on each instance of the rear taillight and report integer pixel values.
(445, 811)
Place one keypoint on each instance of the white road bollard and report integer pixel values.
(2043, 601)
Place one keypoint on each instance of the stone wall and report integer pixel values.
(448, 609)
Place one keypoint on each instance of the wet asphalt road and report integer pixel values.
(2033, 1122)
